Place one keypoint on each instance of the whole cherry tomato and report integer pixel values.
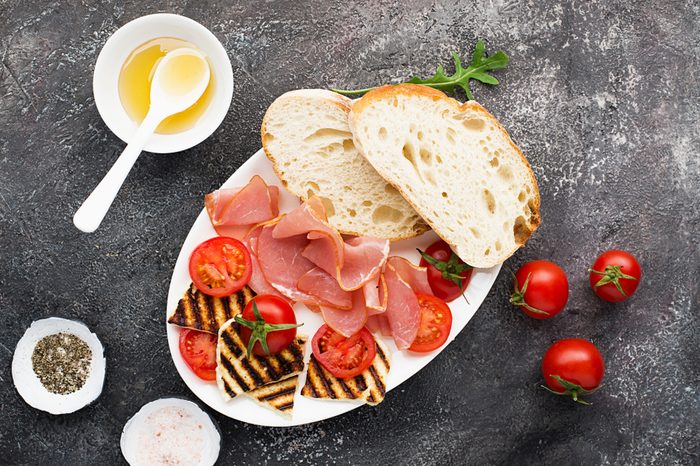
(448, 275)
(573, 367)
(615, 275)
(540, 289)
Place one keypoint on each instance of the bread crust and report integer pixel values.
(345, 104)
(413, 90)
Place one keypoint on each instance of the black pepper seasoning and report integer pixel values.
(62, 362)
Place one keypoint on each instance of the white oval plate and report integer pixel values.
(306, 410)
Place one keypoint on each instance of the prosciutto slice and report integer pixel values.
(310, 219)
(353, 262)
(415, 276)
(363, 258)
(258, 282)
(282, 264)
(347, 322)
(404, 280)
(379, 324)
(300, 256)
(402, 310)
(320, 284)
(375, 295)
(234, 211)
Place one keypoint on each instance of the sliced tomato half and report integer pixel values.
(220, 266)
(198, 349)
(435, 324)
(344, 357)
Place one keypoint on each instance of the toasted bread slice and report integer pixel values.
(278, 396)
(306, 135)
(206, 313)
(455, 164)
(369, 387)
(237, 373)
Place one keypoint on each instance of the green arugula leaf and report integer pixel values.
(478, 69)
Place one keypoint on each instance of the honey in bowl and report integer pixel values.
(135, 84)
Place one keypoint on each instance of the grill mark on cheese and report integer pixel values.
(270, 380)
(277, 395)
(271, 396)
(383, 357)
(317, 376)
(230, 392)
(258, 379)
(265, 362)
(346, 389)
(360, 381)
(231, 372)
(207, 313)
(231, 345)
(379, 383)
(241, 300)
(296, 354)
(286, 407)
(201, 313)
(369, 386)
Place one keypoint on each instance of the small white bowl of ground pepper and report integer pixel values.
(58, 366)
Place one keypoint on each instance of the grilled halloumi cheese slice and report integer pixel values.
(206, 313)
(278, 396)
(237, 373)
(369, 386)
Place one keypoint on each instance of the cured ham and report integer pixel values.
(353, 262)
(364, 258)
(404, 280)
(347, 322)
(234, 211)
(258, 282)
(402, 310)
(326, 247)
(375, 295)
(379, 324)
(415, 276)
(301, 257)
(320, 284)
(282, 264)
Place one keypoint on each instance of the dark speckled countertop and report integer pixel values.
(603, 98)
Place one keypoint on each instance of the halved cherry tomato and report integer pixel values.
(540, 289)
(344, 357)
(615, 275)
(220, 266)
(448, 275)
(275, 324)
(198, 349)
(573, 367)
(435, 324)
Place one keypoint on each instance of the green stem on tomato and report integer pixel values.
(259, 329)
(518, 295)
(612, 274)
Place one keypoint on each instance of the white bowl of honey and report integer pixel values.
(125, 67)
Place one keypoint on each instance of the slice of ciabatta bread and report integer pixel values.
(306, 135)
(455, 164)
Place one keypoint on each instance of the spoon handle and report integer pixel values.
(90, 214)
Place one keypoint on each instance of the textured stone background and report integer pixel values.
(602, 96)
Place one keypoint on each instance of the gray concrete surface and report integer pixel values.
(602, 96)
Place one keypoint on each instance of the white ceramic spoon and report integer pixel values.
(175, 87)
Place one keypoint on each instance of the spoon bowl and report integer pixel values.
(179, 81)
